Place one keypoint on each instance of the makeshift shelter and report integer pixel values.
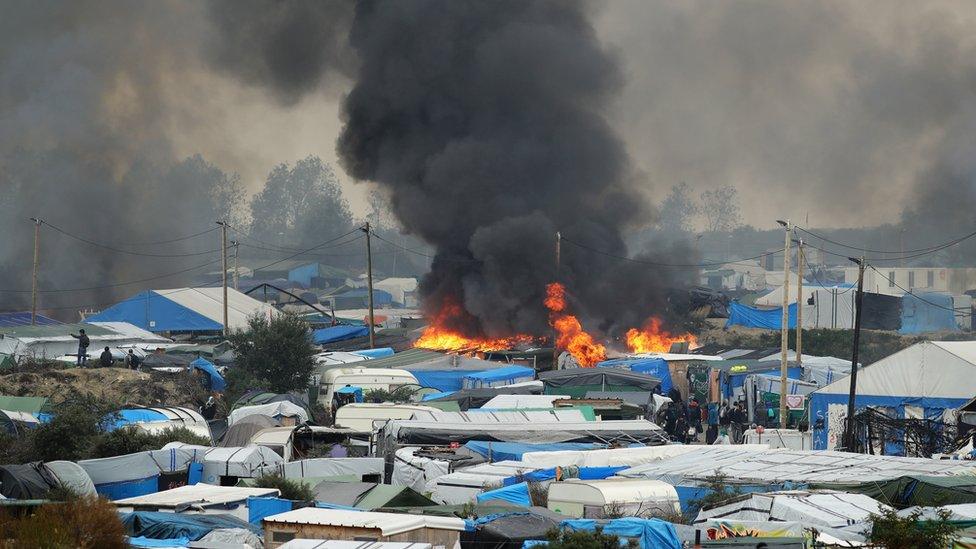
(54, 341)
(595, 498)
(338, 333)
(256, 397)
(922, 381)
(517, 402)
(169, 525)
(517, 494)
(498, 378)
(71, 475)
(416, 467)
(283, 411)
(754, 317)
(223, 466)
(361, 416)
(444, 372)
(241, 432)
(28, 481)
(30, 405)
(649, 533)
(654, 367)
(915, 490)
(314, 523)
(368, 495)
(186, 310)
(199, 498)
(840, 514)
(364, 469)
(139, 473)
(510, 529)
(402, 290)
(476, 398)
(159, 419)
(928, 312)
(505, 451)
(577, 381)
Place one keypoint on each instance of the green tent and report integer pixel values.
(921, 490)
(30, 405)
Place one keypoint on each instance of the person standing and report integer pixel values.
(105, 359)
(83, 343)
(131, 360)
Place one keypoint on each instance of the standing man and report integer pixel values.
(105, 359)
(83, 343)
(131, 360)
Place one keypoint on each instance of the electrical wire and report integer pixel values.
(659, 264)
(919, 251)
(121, 251)
(180, 239)
(115, 285)
(422, 254)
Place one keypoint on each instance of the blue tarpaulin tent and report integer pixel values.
(657, 367)
(379, 352)
(156, 313)
(751, 317)
(356, 392)
(500, 376)
(927, 312)
(516, 493)
(652, 533)
(338, 333)
(137, 415)
(259, 507)
(160, 525)
(12, 320)
(217, 382)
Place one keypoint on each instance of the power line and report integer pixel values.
(115, 285)
(170, 241)
(920, 251)
(121, 251)
(659, 264)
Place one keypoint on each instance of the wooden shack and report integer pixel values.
(337, 524)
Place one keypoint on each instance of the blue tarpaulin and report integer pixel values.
(338, 333)
(442, 380)
(128, 488)
(751, 317)
(652, 533)
(927, 312)
(156, 313)
(357, 392)
(137, 415)
(516, 493)
(503, 451)
(539, 475)
(599, 473)
(160, 525)
(10, 320)
(506, 375)
(152, 542)
(434, 396)
(379, 352)
(217, 382)
(258, 508)
(656, 367)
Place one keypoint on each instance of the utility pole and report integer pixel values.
(555, 334)
(223, 269)
(369, 284)
(237, 263)
(37, 258)
(800, 260)
(849, 431)
(784, 324)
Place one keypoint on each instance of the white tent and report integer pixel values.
(209, 302)
(197, 498)
(242, 462)
(464, 485)
(399, 288)
(331, 467)
(276, 410)
(132, 474)
(922, 381)
(832, 307)
(415, 471)
(502, 402)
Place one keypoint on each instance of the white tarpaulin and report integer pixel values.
(245, 462)
(616, 457)
(275, 410)
(331, 467)
(415, 471)
(137, 466)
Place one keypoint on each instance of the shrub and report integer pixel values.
(718, 491)
(84, 523)
(275, 353)
(910, 532)
(72, 431)
(131, 439)
(290, 489)
(565, 539)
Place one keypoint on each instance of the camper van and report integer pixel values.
(360, 416)
(597, 498)
(366, 378)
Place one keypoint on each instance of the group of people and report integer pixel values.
(685, 423)
(106, 359)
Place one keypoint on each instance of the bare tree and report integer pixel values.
(678, 210)
(720, 208)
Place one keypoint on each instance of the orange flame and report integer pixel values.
(437, 336)
(652, 339)
(569, 332)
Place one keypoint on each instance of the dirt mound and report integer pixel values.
(112, 384)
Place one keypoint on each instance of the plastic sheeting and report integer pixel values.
(927, 312)
(276, 410)
(501, 376)
(517, 494)
(415, 471)
(28, 481)
(650, 533)
(503, 451)
(260, 507)
(160, 525)
(752, 317)
(656, 367)
(71, 474)
(331, 467)
(577, 381)
(338, 333)
(217, 382)
(144, 542)
(236, 537)
(136, 474)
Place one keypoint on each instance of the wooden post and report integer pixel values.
(849, 431)
(37, 258)
(369, 284)
(223, 269)
(785, 327)
(800, 260)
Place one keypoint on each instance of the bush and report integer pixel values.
(718, 492)
(72, 432)
(85, 523)
(131, 439)
(911, 532)
(275, 354)
(564, 539)
(290, 489)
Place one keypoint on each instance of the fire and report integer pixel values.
(569, 332)
(437, 336)
(652, 339)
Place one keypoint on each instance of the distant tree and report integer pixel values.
(720, 208)
(678, 210)
(275, 354)
(380, 215)
(300, 204)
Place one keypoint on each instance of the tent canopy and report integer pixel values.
(577, 381)
(337, 333)
(185, 310)
(217, 382)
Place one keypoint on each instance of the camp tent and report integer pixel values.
(186, 310)
(220, 465)
(921, 381)
(55, 341)
(241, 432)
(197, 498)
(159, 419)
(654, 367)
(360, 468)
(577, 381)
(256, 396)
(368, 495)
(283, 411)
(139, 473)
(498, 378)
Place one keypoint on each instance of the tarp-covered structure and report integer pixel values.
(27, 481)
(498, 377)
(368, 495)
(333, 334)
(278, 411)
(577, 381)
(54, 341)
(186, 310)
(922, 381)
(649, 533)
(509, 530)
(444, 372)
(916, 490)
(163, 525)
(654, 367)
(242, 431)
(215, 380)
(476, 398)
(241, 462)
(139, 473)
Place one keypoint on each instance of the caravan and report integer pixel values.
(599, 498)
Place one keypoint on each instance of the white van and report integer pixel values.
(366, 378)
(596, 498)
(360, 416)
